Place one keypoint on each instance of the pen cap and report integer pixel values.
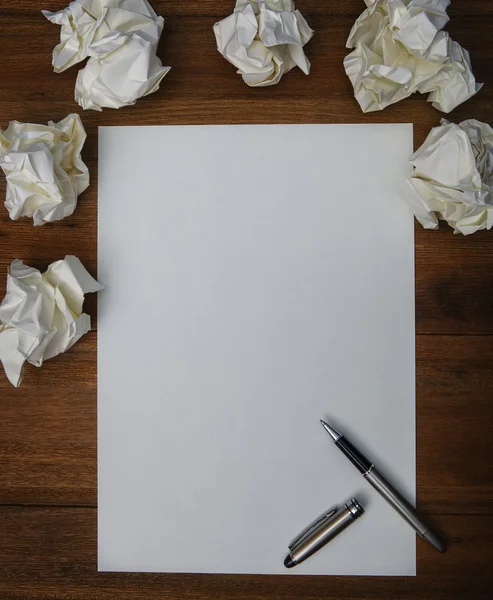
(324, 529)
(355, 508)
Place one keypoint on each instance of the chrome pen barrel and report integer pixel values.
(386, 490)
(394, 498)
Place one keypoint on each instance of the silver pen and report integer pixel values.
(321, 531)
(385, 489)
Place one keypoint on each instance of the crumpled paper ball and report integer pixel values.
(105, 81)
(400, 49)
(44, 169)
(452, 177)
(120, 37)
(264, 40)
(41, 315)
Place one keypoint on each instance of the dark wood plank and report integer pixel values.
(221, 8)
(48, 428)
(48, 431)
(453, 284)
(454, 287)
(203, 88)
(50, 553)
(454, 376)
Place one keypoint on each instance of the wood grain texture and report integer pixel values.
(50, 553)
(48, 426)
(48, 435)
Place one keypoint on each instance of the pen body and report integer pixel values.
(359, 460)
(386, 490)
(383, 487)
(400, 504)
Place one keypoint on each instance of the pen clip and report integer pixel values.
(313, 527)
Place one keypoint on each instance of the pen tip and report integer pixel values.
(289, 562)
(335, 435)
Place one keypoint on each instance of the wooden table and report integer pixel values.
(48, 426)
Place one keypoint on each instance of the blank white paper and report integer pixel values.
(257, 279)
